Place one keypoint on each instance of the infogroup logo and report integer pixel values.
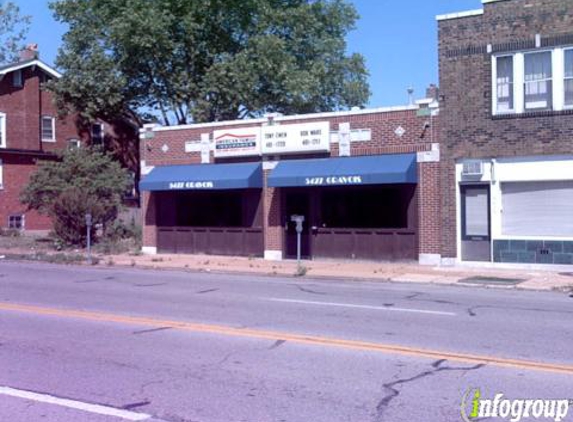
(474, 407)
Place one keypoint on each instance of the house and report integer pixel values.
(363, 184)
(506, 110)
(32, 131)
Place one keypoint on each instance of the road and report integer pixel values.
(112, 344)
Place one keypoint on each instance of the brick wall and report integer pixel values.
(17, 170)
(467, 126)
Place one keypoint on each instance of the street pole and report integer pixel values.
(89, 237)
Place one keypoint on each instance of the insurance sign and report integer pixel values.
(237, 142)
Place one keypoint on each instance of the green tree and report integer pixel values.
(83, 180)
(13, 30)
(182, 61)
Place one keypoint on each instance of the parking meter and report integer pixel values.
(298, 219)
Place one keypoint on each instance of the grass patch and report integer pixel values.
(500, 281)
(57, 258)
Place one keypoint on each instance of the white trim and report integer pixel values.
(432, 156)
(271, 255)
(491, 1)
(40, 64)
(149, 250)
(3, 142)
(287, 118)
(465, 14)
(53, 138)
(430, 259)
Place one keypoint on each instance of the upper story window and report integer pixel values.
(504, 83)
(569, 78)
(97, 134)
(1, 176)
(538, 81)
(17, 79)
(48, 129)
(2, 130)
(532, 81)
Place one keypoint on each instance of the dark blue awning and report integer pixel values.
(204, 177)
(364, 170)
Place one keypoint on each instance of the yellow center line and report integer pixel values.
(292, 337)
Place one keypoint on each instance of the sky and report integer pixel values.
(398, 39)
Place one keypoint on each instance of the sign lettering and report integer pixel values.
(191, 185)
(333, 180)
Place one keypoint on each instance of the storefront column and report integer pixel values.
(429, 207)
(149, 227)
(273, 228)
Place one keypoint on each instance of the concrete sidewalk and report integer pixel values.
(359, 270)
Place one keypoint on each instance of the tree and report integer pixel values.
(81, 181)
(182, 61)
(13, 30)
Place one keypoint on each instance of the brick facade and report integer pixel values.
(166, 146)
(469, 128)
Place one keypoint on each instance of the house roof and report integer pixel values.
(27, 63)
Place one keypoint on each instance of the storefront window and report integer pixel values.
(373, 207)
(537, 208)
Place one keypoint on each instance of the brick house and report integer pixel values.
(365, 181)
(31, 131)
(506, 110)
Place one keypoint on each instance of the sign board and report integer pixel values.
(237, 142)
(296, 138)
(205, 148)
(344, 139)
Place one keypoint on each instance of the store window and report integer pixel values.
(538, 81)
(569, 78)
(371, 207)
(537, 208)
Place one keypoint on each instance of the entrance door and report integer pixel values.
(476, 238)
(297, 203)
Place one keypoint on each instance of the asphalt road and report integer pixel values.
(110, 344)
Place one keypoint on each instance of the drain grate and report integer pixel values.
(492, 280)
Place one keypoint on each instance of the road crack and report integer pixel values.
(393, 392)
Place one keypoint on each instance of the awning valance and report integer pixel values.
(340, 171)
(204, 177)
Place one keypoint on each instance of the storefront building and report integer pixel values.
(365, 181)
(506, 106)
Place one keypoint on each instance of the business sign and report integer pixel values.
(297, 138)
(333, 180)
(191, 185)
(237, 142)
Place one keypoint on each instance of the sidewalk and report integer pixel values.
(361, 270)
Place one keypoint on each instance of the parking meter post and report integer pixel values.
(298, 219)
(89, 240)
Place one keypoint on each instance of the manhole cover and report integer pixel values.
(492, 280)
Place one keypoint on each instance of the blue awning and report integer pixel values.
(364, 170)
(204, 177)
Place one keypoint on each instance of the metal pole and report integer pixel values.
(298, 235)
(89, 237)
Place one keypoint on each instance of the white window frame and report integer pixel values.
(1, 175)
(557, 80)
(3, 142)
(22, 218)
(74, 143)
(53, 121)
(551, 106)
(565, 78)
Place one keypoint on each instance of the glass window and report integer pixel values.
(504, 83)
(97, 134)
(74, 143)
(568, 77)
(2, 130)
(476, 211)
(537, 208)
(16, 222)
(538, 81)
(48, 128)
(17, 78)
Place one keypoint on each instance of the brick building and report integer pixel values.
(506, 101)
(31, 131)
(365, 181)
